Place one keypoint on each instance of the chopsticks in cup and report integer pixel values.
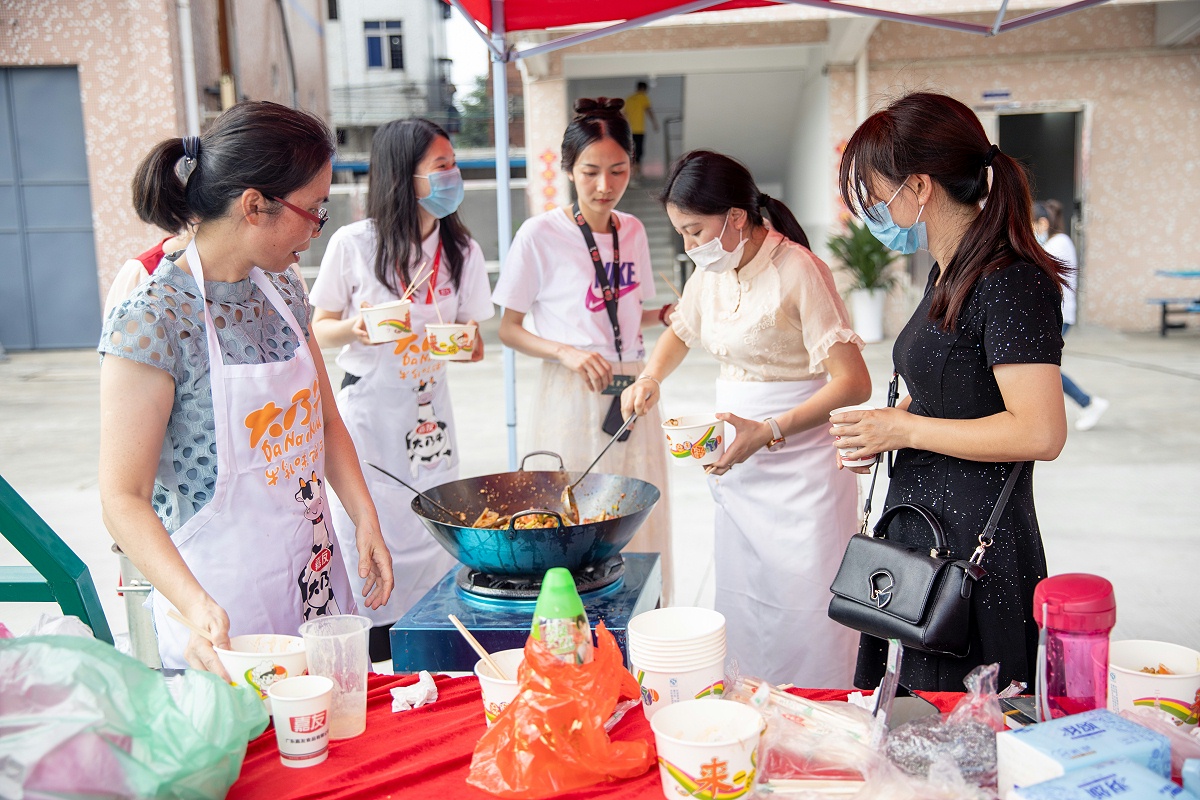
(478, 648)
(417, 281)
(193, 627)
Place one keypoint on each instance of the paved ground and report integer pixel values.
(1122, 500)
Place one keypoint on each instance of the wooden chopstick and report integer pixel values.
(478, 648)
(671, 284)
(196, 629)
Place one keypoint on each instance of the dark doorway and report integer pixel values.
(1048, 144)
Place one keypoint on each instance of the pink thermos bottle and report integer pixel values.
(1075, 613)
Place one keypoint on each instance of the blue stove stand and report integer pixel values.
(424, 638)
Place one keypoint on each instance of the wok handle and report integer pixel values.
(545, 512)
(561, 466)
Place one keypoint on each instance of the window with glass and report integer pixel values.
(385, 44)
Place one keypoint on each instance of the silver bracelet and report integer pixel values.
(648, 377)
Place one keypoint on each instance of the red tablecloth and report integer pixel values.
(426, 752)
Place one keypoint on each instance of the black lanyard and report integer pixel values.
(606, 286)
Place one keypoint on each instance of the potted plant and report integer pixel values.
(870, 266)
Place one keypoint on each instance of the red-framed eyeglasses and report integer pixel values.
(319, 219)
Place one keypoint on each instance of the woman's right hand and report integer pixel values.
(199, 651)
(594, 368)
(640, 396)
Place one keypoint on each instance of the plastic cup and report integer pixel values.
(302, 719)
(388, 322)
(706, 748)
(337, 649)
(663, 687)
(695, 439)
(847, 452)
(498, 693)
(1129, 687)
(452, 341)
(260, 660)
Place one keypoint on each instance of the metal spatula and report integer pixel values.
(460, 517)
(568, 494)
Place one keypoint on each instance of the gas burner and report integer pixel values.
(588, 578)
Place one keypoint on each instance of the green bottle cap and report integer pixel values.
(558, 598)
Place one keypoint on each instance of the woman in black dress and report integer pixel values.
(980, 358)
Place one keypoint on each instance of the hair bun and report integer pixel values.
(587, 106)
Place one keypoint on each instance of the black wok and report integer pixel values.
(513, 551)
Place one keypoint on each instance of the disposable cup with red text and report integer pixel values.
(388, 322)
(499, 692)
(452, 341)
(695, 439)
(706, 748)
(302, 719)
(847, 453)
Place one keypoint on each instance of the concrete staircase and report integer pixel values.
(640, 201)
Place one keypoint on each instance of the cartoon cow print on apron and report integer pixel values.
(315, 588)
(429, 442)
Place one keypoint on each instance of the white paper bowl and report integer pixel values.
(1129, 687)
(497, 693)
(259, 660)
(676, 625)
(388, 322)
(452, 342)
(699, 739)
(695, 439)
(662, 688)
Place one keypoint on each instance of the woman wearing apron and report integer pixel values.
(767, 309)
(395, 397)
(583, 273)
(215, 433)
(980, 359)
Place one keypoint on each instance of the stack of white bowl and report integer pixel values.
(677, 654)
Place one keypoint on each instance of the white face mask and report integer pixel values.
(712, 257)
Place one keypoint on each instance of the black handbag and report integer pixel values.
(920, 596)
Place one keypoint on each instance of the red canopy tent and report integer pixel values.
(495, 19)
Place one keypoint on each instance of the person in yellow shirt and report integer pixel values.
(637, 109)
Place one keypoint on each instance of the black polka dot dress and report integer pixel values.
(1013, 316)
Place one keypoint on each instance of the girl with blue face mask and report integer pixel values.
(395, 397)
(980, 360)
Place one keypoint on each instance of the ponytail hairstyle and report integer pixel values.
(396, 151)
(254, 145)
(926, 133)
(595, 120)
(708, 183)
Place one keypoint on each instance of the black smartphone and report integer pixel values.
(613, 420)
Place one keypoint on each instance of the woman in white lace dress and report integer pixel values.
(767, 309)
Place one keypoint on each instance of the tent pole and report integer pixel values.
(504, 204)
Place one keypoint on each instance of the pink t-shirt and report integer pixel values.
(550, 276)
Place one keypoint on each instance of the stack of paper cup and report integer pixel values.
(677, 654)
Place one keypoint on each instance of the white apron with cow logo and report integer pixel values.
(782, 523)
(262, 547)
(399, 416)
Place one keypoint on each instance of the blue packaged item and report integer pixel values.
(1110, 780)
(1048, 750)
(1191, 775)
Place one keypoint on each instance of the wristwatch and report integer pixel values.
(777, 440)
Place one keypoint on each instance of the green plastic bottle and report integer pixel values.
(559, 619)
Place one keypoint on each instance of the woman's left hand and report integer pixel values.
(751, 437)
(374, 563)
(872, 432)
(477, 355)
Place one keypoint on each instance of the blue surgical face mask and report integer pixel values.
(903, 240)
(445, 192)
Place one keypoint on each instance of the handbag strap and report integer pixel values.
(986, 537)
(940, 550)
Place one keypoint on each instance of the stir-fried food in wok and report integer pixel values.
(494, 519)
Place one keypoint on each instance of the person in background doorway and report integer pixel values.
(217, 435)
(979, 357)
(395, 397)
(583, 274)
(1050, 229)
(767, 309)
(637, 110)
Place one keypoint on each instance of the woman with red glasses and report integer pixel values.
(396, 396)
(217, 432)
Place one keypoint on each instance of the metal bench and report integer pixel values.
(1172, 306)
(56, 574)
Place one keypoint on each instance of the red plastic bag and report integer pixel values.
(551, 738)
